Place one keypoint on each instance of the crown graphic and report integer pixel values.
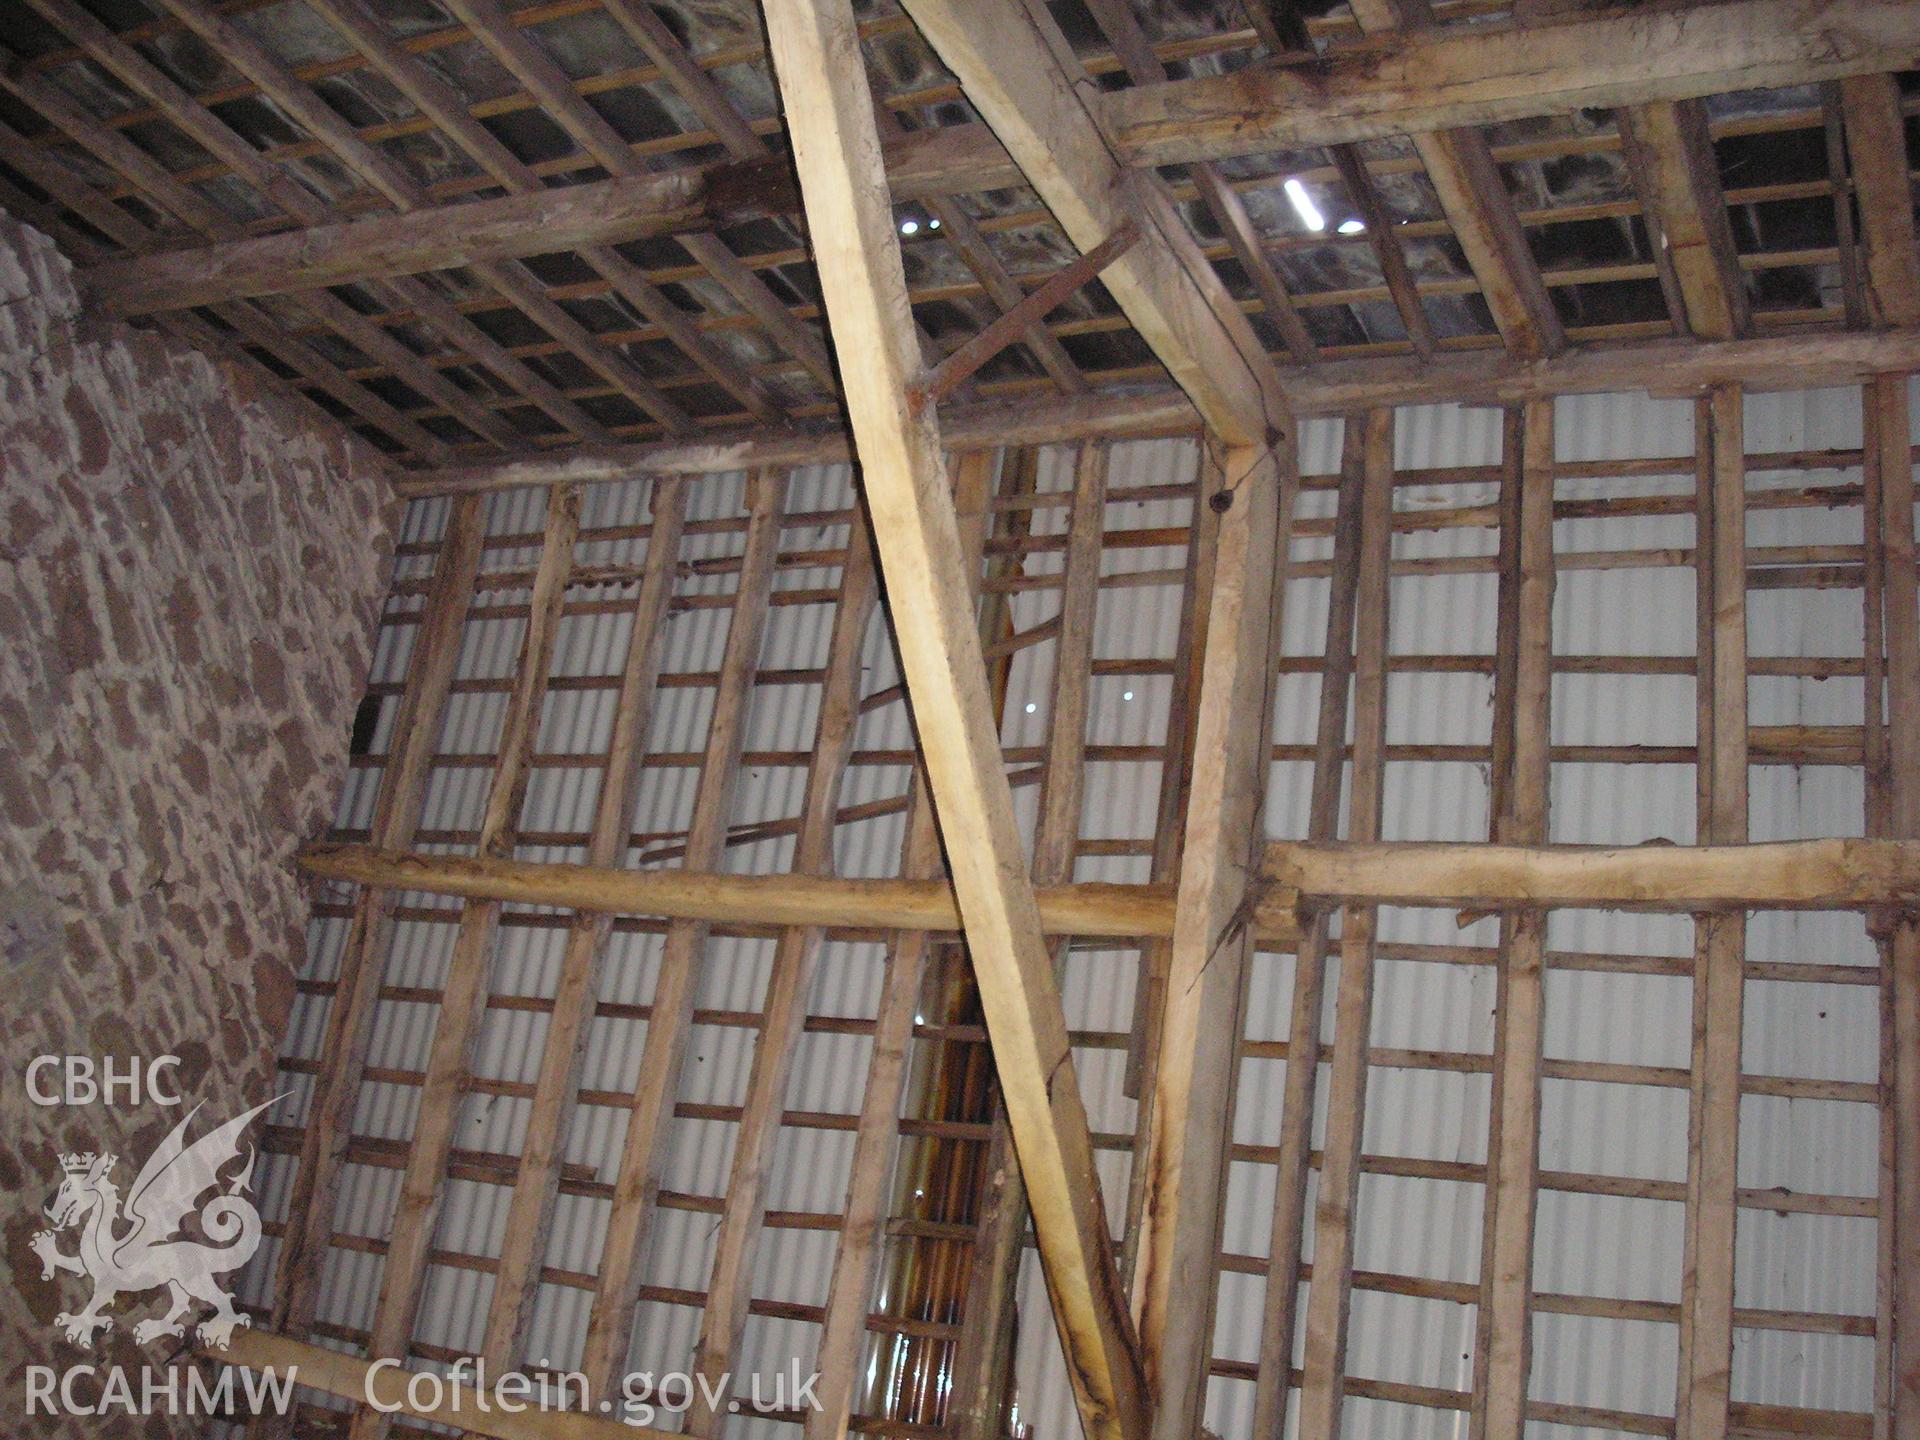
(77, 1164)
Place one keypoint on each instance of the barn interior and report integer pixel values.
(981, 719)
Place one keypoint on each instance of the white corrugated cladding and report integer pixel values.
(1588, 1245)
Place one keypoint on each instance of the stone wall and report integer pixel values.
(191, 563)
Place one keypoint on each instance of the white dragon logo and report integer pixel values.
(151, 1252)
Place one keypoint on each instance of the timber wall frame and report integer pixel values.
(738, 552)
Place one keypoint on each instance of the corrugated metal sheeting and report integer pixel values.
(1443, 605)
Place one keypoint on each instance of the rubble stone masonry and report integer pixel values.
(191, 564)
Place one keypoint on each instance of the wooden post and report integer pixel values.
(1323, 1380)
(1282, 1298)
(1505, 1317)
(629, 1222)
(1176, 1271)
(1706, 1312)
(463, 1001)
(556, 1088)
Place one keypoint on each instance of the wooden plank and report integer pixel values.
(657, 1083)
(556, 1087)
(977, 1401)
(837, 154)
(1280, 1304)
(1020, 72)
(1883, 185)
(1323, 1377)
(1890, 462)
(349, 1028)
(788, 986)
(464, 992)
(1706, 1311)
(1505, 1314)
(1671, 158)
(869, 1187)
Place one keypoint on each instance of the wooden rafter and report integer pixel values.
(557, 1084)
(463, 1004)
(1474, 198)
(1671, 159)
(1131, 47)
(349, 1029)
(643, 1155)
(434, 97)
(837, 153)
(1281, 1303)
(1323, 1374)
(1706, 1301)
(1883, 185)
(729, 1287)
(302, 103)
(1504, 1348)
